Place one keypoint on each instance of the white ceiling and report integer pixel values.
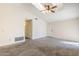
(67, 12)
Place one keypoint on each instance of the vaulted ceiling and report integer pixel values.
(67, 12)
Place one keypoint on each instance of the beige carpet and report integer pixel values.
(39, 48)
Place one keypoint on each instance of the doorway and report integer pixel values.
(28, 29)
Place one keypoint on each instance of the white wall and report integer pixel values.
(68, 29)
(39, 28)
(12, 17)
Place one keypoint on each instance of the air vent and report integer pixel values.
(19, 38)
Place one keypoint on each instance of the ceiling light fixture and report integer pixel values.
(47, 8)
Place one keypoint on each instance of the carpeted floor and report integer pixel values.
(41, 47)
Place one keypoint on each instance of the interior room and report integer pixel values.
(39, 29)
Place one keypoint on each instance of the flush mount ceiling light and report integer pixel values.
(47, 8)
